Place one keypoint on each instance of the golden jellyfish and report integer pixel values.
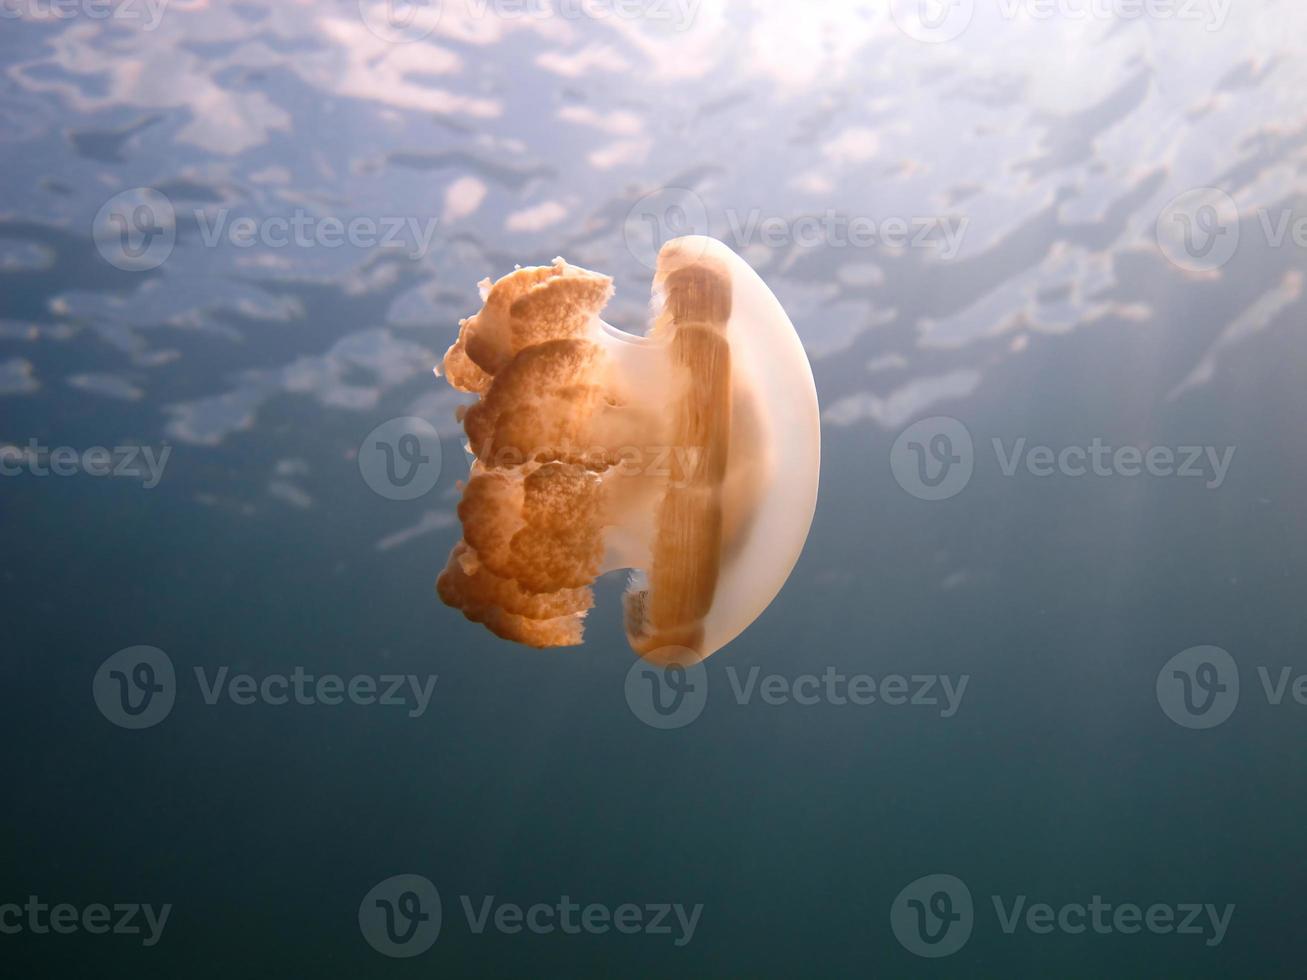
(689, 456)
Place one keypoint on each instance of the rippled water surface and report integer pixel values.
(1047, 263)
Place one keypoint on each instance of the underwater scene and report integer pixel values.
(653, 488)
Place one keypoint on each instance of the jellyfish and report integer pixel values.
(689, 456)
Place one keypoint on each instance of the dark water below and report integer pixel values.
(1063, 771)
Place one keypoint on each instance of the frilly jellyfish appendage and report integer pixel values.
(689, 456)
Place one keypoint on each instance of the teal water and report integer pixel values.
(1054, 149)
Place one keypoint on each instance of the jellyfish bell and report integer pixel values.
(689, 456)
